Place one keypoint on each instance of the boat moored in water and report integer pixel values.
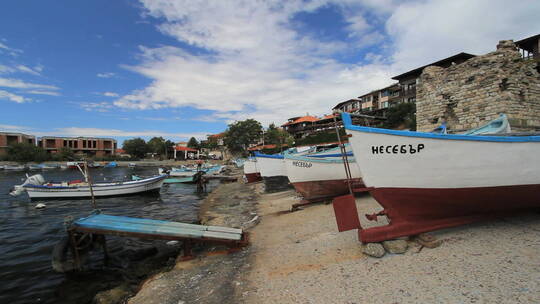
(428, 181)
(14, 168)
(37, 187)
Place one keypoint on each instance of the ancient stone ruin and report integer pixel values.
(478, 90)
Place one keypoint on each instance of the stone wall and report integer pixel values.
(470, 94)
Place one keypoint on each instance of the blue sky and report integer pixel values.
(181, 68)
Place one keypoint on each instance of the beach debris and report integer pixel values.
(172, 243)
(40, 206)
(375, 250)
(256, 217)
(396, 246)
(427, 240)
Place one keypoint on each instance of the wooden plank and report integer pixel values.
(224, 229)
(141, 221)
(156, 227)
(156, 230)
(220, 235)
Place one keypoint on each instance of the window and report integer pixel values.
(411, 99)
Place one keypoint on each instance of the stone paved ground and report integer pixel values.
(300, 258)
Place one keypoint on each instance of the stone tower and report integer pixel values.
(478, 90)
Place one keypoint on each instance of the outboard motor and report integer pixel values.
(30, 180)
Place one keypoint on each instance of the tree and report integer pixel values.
(401, 115)
(24, 152)
(278, 137)
(240, 134)
(157, 145)
(136, 147)
(169, 145)
(193, 143)
(65, 153)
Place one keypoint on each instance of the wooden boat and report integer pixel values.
(176, 180)
(318, 178)
(74, 164)
(273, 172)
(38, 188)
(251, 171)
(50, 166)
(428, 181)
(14, 168)
(110, 165)
(499, 125)
(189, 172)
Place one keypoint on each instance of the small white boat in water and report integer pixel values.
(50, 166)
(36, 187)
(14, 168)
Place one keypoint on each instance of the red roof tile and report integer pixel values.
(301, 119)
(181, 148)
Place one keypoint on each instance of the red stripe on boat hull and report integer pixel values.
(253, 177)
(413, 211)
(315, 190)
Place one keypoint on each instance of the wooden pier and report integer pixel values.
(96, 226)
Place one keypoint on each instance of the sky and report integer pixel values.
(183, 68)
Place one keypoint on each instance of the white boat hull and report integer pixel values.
(269, 167)
(251, 171)
(431, 181)
(318, 179)
(100, 190)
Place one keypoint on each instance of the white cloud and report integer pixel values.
(17, 129)
(28, 70)
(95, 106)
(5, 95)
(428, 31)
(259, 66)
(19, 84)
(11, 51)
(4, 69)
(77, 131)
(105, 75)
(98, 132)
(37, 92)
(110, 94)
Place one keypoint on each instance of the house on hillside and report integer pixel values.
(300, 125)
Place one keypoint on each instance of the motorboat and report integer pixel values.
(37, 187)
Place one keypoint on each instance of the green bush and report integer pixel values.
(24, 152)
(320, 138)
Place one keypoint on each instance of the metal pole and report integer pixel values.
(344, 156)
(89, 181)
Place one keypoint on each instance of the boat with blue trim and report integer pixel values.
(427, 181)
(251, 171)
(273, 173)
(321, 176)
(37, 187)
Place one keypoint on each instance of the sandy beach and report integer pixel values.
(299, 257)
